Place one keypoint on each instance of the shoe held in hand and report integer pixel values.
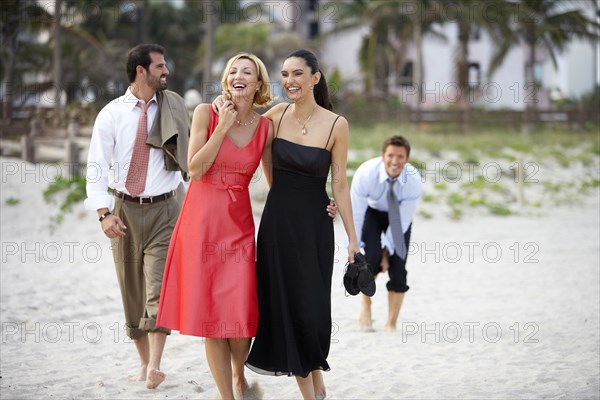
(358, 277)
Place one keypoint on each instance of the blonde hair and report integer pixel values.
(263, 96)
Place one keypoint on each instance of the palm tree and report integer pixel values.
(392, 24)
(352, 15)
(471, 17)
(19, 19)
(377, 46)
(213, 14)
(57, 64)
(9, 29)
(412, 20)
(83, 40)
(547, 24)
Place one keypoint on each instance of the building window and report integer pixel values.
(406, 75)
(313, 29)
(474, 75)
(537, 72)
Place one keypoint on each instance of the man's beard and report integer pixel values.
(155, 84)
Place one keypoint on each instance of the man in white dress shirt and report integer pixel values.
(133, 193)
(371, 202)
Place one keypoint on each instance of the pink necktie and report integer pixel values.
(138, 167)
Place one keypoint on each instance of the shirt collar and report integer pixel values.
(131, 101)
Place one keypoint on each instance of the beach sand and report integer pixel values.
(499, 307)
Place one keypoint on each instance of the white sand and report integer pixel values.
(476, 323)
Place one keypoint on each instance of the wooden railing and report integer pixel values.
(68, 146)
(575, 118)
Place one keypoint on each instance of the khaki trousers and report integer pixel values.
(140, 260)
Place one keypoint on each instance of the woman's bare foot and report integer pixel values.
(319, 385)
(140, 377)
(252, 392)
(320, 396)
(239, 388)
(154, 378)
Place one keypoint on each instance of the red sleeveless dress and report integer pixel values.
(209, 283)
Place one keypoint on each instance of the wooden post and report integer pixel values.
(581, 115)
(515, 117)
(27, 148)
(520, 177)
(28, 141)
(72, 149)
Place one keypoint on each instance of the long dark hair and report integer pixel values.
(320, 91)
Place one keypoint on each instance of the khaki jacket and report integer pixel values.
(171, 131)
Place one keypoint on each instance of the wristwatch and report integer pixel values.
(106, 214)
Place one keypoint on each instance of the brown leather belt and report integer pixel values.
(145, 200)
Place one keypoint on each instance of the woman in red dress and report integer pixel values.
(209, 284)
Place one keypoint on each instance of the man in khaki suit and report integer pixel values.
(133, 174)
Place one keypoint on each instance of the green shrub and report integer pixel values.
(498, 209)
(12, 201)
(66, 192)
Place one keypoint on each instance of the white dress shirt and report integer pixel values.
(110, 153)
(369, 189)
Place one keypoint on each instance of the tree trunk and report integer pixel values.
(418, 63)
(209, 45)
(530, 87)
(9, 79)
(381, 72)
(370, 64)
(57, 60)
(462, 70)
(139, 22)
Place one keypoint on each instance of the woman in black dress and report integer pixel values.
(295, 239)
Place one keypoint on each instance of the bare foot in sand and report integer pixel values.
(141, 376)
(319, 385)
(240, 388)
(254, 392)
(154, 378)
(365, 321)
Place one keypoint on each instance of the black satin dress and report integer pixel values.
(295, 250)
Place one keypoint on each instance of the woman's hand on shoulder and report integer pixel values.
(218, 103)
(274, 113)
(270, 134)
